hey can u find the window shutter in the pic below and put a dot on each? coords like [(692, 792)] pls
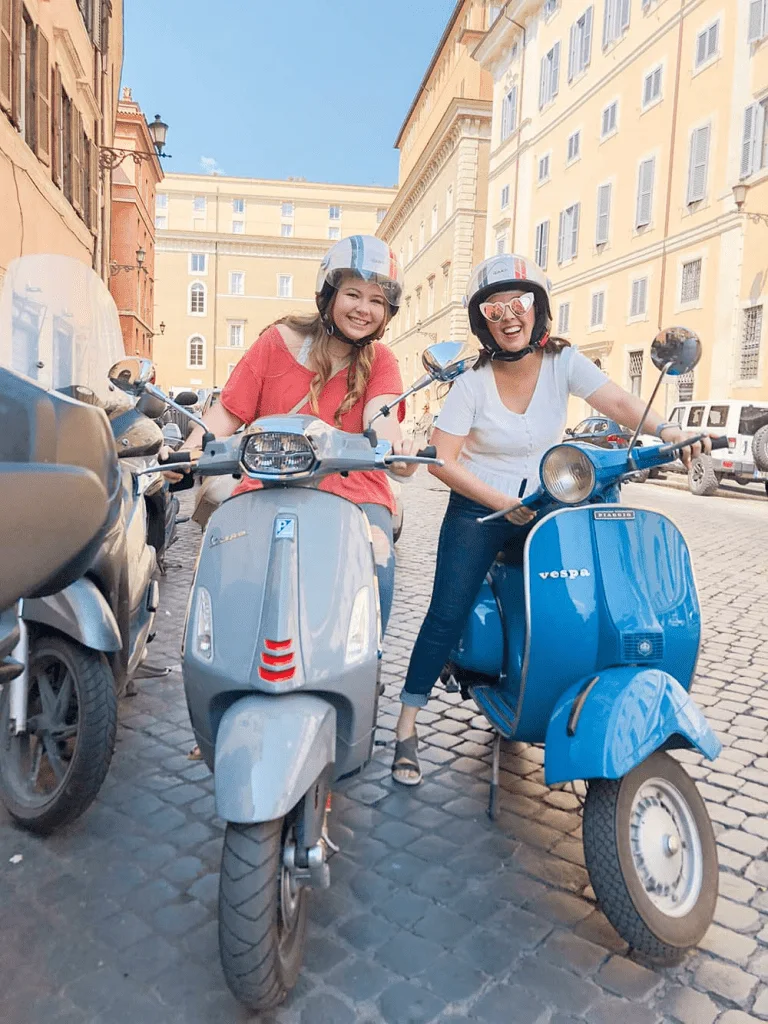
[(16, 83), (6, 56), (575, 229), (543, 82), (697, 171), (561, 237), (624, 14), (77, 170), (608, 17), (93, 198), (701, 48), (586, 39), (603, 213), (544, 245), (555, 71), (43, 100), (645, 193), (56, 125), (756, 20), (749, 140), (572, 51)]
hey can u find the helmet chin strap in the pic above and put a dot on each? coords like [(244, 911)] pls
[(333, 331), (500, 355)]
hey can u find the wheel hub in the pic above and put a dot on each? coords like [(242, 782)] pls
[(665, 846)]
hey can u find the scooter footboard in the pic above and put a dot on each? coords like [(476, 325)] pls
[(606, 724), (269, 751)]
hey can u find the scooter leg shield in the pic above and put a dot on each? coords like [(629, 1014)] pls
[(608, 723), (269, 752), (80, 612)]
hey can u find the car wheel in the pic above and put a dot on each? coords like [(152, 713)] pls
[(702, 479), (760, 448)]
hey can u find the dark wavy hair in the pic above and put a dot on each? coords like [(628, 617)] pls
[(553, 345)]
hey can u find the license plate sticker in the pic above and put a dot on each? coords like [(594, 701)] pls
[(285, 529)]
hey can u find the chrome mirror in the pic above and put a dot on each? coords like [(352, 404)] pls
[(676, 350), (132, 375), (447, 360)]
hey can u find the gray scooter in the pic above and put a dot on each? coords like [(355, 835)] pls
[(281, 660)]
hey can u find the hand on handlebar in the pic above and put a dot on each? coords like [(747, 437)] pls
[(404, 468), (173, 476), (674, 435), (520, 515)]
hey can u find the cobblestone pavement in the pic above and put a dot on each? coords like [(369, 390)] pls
[(434, 914)]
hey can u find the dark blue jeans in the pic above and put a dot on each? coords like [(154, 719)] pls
[(465, 552)]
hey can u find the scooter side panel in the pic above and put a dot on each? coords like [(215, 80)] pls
[(269, 752), (625, 716), (80, 612)]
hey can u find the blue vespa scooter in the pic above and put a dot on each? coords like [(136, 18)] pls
[(607, 692)]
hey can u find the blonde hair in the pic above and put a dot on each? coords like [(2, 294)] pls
[(358, 371)]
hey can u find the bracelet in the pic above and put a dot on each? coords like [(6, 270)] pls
[(663, 426)]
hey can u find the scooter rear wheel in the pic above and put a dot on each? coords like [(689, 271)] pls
[(262, 915), (652, 858)]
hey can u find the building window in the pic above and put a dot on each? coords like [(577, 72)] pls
[(161, 201), (691, 281), (550, 6), (381, 213), (636, 372), (707, 44), (28, 78), (286, 230), (580, 44), (501, 243), (505, 197), (238, 227), (541, 248), (410, 248), (285, 286), (509, 113), (449, 202), (645, 192), (430, 295), (749, 351), (421, 236), (236, 332), (685, 387), (446, 283), (197, 299), (639, 302), (609, 120), (568, 233), (238, 207), (754, 140), (196, 352), (564, 318), (161, 221), (697, 166), (417, 306), (434, 219), (286, 210), (544, 168), (408, 312), (603, 214), (549, 77), (574, 147), (597, 315), (199, 204), (198, 263), (615, 20), (758, 20), (237, 283), (334, 233), (334, 213), (652, 87)]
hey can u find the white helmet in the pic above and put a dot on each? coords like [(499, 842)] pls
[(368, 257), (508, 272)]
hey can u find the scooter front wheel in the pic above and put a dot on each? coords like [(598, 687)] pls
[(652, 858), (262, 914)]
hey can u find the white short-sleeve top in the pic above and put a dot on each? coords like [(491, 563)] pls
[(503, 448)]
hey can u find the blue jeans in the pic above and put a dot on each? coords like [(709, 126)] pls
[(380, 516), (465, 552)]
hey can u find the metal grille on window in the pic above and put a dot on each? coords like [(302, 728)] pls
[(691, 281), (749, 356), (635, 372), (685, 387)]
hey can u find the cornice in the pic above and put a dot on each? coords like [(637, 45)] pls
[(191, 241)]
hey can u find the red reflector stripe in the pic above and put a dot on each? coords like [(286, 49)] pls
[(727, 465), (277, 645), (270, 676), (275, 659)]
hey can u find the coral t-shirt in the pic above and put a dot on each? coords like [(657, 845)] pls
[(269, 381)]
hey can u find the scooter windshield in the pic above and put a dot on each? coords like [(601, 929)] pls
[(59, 325)]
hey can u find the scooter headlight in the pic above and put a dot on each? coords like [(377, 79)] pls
[(568, 474), (203, 641), (359, 626), (277, 454)]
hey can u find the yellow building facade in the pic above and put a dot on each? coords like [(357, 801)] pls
[(619, 132), (436, 225), (235, 254), (60, 66)]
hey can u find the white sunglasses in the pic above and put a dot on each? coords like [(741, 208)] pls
[(519, 306)]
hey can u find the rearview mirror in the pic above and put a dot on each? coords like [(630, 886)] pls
[(132, 375), (186, 398), (676, 350), (447, 360)]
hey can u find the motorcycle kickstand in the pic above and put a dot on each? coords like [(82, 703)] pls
[(493, 796)]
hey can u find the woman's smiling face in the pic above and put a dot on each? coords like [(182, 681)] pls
[(359, 308), (512, 332)]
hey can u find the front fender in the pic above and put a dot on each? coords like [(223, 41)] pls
[(81, 612), (625, 716), (269, 751)]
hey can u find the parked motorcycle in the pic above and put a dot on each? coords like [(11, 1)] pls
[(82, 641), (281, 659), (607, 691)]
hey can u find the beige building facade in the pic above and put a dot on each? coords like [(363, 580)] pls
[(619, 132), (232, 255), (60, 65), (436, 225)]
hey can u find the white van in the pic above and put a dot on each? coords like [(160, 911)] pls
[(746, 426)]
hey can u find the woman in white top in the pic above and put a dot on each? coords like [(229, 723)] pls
[(495, 425)]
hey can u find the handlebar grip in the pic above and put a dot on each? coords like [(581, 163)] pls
[(430, 452), (176, 457), (719, 442)]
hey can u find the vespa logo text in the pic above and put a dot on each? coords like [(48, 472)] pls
[(216, 540), (565, 574)]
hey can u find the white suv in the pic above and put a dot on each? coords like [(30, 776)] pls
[(746, 458)]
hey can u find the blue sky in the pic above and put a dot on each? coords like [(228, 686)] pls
[(317, 88)]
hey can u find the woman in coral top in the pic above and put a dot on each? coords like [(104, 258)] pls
[(334, 366)]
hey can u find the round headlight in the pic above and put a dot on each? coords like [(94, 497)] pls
[(277, 454), (568, 474)]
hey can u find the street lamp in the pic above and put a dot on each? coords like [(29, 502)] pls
[(740, 197), (115, 267), (110, 157), (162, 327), (140, 255)]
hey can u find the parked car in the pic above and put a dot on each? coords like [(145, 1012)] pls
[(746, 458), (607, 433)]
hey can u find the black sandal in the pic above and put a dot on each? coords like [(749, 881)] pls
[(406, 759)]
